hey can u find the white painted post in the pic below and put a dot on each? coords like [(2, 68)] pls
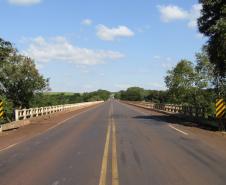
[(41, 110), (31, 112), (24, 114), (16, 115)]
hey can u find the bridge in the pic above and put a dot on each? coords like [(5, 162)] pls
[(110, 143)]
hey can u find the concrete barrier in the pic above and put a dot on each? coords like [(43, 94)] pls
[(14, 125), (40, 111), (175, 111), (26, 115)]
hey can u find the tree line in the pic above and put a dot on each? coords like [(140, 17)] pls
[(51, 99), (22, 86), (197, 83)]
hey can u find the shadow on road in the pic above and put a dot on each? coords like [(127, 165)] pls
[(189, 122)]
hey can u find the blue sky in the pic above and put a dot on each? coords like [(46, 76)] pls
[(84, 45)]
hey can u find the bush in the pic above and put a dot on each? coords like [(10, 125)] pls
[(8, 111)]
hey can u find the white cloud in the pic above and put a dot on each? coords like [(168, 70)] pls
[(192, 24), (60, 49), (24, 2), (199, 36), (110, 34), (194, 15), (87, 22), (165, 62), (170, 13)]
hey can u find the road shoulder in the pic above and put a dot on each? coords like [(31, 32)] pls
[(38, 125)]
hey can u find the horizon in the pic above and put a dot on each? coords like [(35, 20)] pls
[(82, 51)]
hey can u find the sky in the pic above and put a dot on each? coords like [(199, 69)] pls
[(85, 45)]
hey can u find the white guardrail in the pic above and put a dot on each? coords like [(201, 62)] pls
[(35, 112)]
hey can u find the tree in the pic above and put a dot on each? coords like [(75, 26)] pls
[(191, 84), (205, 68), (133, 94), (212, 24), (19, 78), (96, 95), (103, 94), (181, 81), (6, 49), (156, 96)]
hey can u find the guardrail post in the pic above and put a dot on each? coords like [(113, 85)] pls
[(16, 115), (24, 114), (31, 113), (35, 112), (41, 110)]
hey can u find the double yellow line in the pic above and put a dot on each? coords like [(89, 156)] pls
[(103, 173)]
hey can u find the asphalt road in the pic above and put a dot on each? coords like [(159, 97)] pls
[(113, 144)]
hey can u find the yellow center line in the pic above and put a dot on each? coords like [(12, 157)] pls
[(104, 167), (103, 172), (115, 176)]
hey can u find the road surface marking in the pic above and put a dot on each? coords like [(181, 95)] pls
[(133, 108), (111, 134), (60, 123), (38, 134), (115, 175), (171, 126), (10, 146), (103, 172)]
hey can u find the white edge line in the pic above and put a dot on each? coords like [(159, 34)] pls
[(133, 109), (171, 126), (10, 146), (38, 134)]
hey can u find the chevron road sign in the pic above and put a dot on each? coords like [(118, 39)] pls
[(220, 108), (1, 109)]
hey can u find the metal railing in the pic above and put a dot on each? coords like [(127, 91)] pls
[(40, 111)]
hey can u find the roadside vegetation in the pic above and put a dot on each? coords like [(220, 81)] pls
[(194, 83), (201, 82), (22, 86), (60, 98)]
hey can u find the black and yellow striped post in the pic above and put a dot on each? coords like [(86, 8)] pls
[(1, 109), (220, 108)]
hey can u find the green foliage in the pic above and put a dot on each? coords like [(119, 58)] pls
[(205, 69), (96, 95), (49, 99), (181, 81), (192, 85), (157, 96), (8, 110), (212, 24), (6, 49), (53, 98), (19, 78), (132, 94), (140, 94)]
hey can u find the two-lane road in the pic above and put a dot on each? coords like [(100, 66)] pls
[(113, 144)]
